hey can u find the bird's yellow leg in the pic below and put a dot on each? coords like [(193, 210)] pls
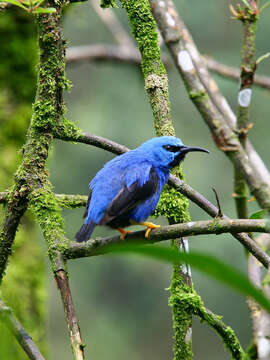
[(149, 225), (123, 233)]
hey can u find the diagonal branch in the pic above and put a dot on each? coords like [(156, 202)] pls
[(20, 333), (225, 138), (112, 23)]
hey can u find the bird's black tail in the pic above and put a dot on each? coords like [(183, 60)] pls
[(85, 232)]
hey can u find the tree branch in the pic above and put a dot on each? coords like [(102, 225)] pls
[(112, 23), (225, 332), (103, 52), (23, 338), (216, 226), (61, 279)]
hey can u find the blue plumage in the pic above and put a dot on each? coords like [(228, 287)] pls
[(127, 188)]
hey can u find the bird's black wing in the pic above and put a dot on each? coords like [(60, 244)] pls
[(129, 197)]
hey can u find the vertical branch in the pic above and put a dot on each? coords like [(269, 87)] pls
[(248, 66), (144, 31), (248, 17), (156, 84), (31, 181)]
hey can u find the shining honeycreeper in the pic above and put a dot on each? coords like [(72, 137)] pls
[(127, 189)]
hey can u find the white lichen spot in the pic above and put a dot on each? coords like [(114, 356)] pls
[(162, 4), (190, 224), (244, 97), (170, 20), (184, 61), (263, 348)]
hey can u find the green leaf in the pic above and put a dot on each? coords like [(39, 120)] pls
[(258, 214), (44, 10), (203, 262), (17, 3)]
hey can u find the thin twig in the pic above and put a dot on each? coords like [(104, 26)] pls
[(23, 338), (220, 214), (234, 73), (112, 23)]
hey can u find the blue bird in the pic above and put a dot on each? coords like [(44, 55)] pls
[(127, 189)]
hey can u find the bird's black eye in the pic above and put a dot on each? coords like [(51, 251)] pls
[(172, 148)]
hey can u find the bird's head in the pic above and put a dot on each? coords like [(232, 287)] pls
[(167, 151)]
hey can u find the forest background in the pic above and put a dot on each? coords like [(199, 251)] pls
[(121, 302)]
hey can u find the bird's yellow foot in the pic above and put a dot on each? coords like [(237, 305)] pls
[(149, 225), (123, 233)]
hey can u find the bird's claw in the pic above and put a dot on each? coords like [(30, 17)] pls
[(150, 226), (123, 233)]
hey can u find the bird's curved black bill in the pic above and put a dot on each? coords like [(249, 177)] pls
[(184, 150), (187, 149)]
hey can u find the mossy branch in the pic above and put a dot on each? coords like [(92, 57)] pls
[(193, 304), (216, 226), (48, 109), (32, 186), (144, 30)]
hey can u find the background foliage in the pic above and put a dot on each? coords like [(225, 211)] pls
[(121, 302)]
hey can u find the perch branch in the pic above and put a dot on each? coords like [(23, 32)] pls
[(23, 338), (216, 226)]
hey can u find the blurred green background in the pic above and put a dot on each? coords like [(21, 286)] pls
[(121, 302)]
